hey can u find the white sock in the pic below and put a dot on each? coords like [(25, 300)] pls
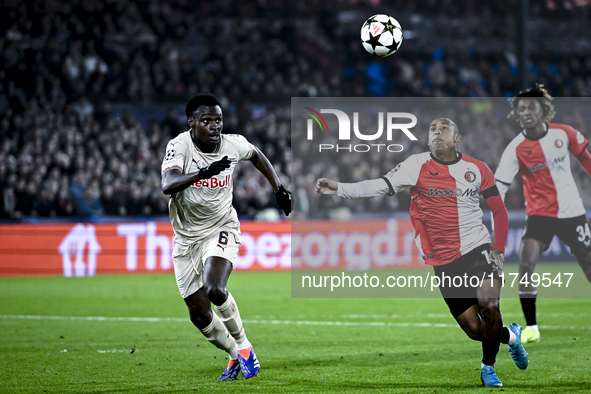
[(512, 337), (482, 365), (243, 345), (230, 316), (218, 335), (534, 327), (233, 354)]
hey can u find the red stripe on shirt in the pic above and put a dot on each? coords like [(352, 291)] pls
[(538, 186)]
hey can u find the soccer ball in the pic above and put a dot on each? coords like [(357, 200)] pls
[(381, 35)]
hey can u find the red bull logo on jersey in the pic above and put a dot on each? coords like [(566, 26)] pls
[(213, 183), (435, 192)]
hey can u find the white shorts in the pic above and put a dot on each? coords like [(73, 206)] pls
[(190, 261)]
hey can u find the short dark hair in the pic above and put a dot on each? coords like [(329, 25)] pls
[(538, 92), (198, 101), (453, 124)]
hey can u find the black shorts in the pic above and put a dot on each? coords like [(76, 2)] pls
[(572, 231), (459, 280)]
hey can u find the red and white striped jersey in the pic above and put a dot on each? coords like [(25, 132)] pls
[(544, 166), (445, 202)]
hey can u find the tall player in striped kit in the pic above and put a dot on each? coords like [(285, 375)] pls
[(197, 173), (445, 188), (540, 153)]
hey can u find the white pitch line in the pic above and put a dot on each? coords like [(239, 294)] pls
[(268, 322), (97, 318), (446, 315)]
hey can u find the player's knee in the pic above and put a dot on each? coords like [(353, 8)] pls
[(528, 258), (489, 308), (216, 294)]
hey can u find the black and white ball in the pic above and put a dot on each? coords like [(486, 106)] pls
[(381, 35)]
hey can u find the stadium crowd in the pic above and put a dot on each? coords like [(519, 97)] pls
[(484, 127), (64, 152)]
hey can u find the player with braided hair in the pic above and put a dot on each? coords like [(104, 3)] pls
[(544, 99), (540, 153)]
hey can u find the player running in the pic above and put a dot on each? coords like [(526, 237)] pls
[(445, 212), (197, 173), (553, 204)]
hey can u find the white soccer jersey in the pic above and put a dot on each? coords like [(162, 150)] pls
[(206, 206), (544, 166), (445, 202)]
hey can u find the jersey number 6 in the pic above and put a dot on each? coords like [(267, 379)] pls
[(223, 240)]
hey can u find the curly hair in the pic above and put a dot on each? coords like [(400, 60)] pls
[(539, 93), (199, 100)]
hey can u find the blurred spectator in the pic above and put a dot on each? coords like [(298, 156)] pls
[(86, 197), (110, 202), (170, 125), (64, 205)]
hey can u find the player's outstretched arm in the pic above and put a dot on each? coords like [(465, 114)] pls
[(363, 189), (326, 186), (174, 181), (282, 195)]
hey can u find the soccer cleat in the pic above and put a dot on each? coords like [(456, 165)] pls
[(232, 370), (517, 351), (249, 365), (528, 335), (489, 378)]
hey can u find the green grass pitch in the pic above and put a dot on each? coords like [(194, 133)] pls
[(76, 336)]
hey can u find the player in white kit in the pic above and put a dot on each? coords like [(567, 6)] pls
[(197, 174), (540, 154)]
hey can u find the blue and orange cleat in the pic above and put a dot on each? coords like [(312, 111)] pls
[(517, 351), (249, 365), (232, 371), (489, 378)]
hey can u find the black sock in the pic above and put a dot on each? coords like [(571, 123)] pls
[(528, 304), (489, 352), (504, 338)]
